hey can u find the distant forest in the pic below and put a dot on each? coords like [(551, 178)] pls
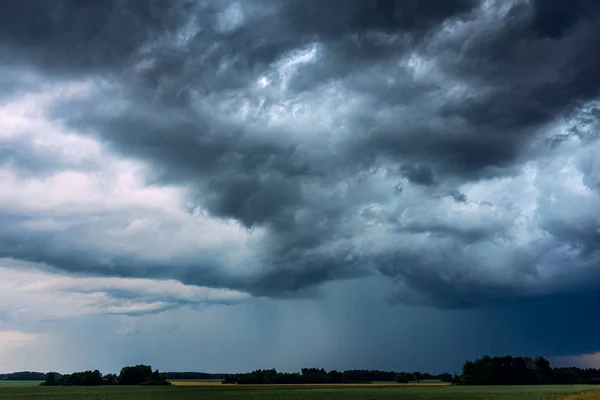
[(319, 375), (486, 370), (509, 370), (192, 376), (131, 375), (40, 376), (23, 376)]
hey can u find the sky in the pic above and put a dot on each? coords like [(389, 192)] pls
[(220, 186)]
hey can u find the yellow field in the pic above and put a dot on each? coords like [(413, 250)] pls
[(588, 395)]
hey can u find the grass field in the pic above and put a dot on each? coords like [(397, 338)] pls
[(326, 392), (4, 384)]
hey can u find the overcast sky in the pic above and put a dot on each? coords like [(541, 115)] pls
[(222, 185)]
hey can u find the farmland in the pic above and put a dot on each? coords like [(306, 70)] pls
[(207, 391), (5, 384)]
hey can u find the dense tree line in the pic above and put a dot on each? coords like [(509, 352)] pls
[(509, 370), (319, 375), (133, 375), (23, 376), (192, 375), (584, 375), (486, 370)]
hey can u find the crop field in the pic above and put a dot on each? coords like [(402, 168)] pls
[(4, 384), (204, 391)]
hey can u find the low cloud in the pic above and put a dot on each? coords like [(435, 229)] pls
[(29, 293)]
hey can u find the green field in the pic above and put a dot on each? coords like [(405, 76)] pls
[(4, 384), (375, 392)]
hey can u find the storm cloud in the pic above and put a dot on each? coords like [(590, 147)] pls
[(449, 147)]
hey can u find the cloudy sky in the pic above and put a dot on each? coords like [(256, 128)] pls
[(226, 185)]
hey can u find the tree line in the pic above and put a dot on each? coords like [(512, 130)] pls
[(192, 375), (486, 370), (23, 376), (510, 370), (319, 375), (130, 375), (41, 376)]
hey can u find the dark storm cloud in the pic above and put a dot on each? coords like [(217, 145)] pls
[(420, 174), (555, 18), (106, 36), (520, 76), (333, 20), (458, 196), (79, 35), (451, 93), (37, 247)]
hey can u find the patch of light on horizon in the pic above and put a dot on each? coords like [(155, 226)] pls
[(579, 360)]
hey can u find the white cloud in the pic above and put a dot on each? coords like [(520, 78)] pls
[(27, 293), (98, 201)]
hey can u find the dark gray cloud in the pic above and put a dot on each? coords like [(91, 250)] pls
[(554, 19), (83, 36), (458, 196), (301, 117), (420, 174)]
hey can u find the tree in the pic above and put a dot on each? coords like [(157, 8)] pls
[(110, 379), (456, 379), (567, 376), (336, 377), (510, 370), (24, 376), (50, 379), (93, 378), (543, 369), (135, 375), (418, 376), (445, 377), (470, 375), (85, 378), (403, 377)]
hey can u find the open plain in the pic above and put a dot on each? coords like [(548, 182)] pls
[(378, 391)]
